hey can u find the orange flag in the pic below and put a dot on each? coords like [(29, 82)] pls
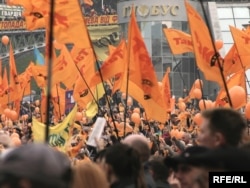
[(88, 2), (203, 47), (179, 41), (242, 44), (68, 19), (143, 84), (82, 96), (115, 64), (238, 79), (39, 73), (64, 69), (166, 90), (232, 62), (14, 86), (58, 101)]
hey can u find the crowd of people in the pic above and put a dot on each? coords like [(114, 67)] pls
[(179, 153)]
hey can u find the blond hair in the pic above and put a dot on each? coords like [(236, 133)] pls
[(90, 175)]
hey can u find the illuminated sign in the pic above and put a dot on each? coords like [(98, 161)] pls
[(154, 10)]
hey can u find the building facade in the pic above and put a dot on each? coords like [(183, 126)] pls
[(153, 16)]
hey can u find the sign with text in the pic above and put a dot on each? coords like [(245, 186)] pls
[(12, 25), (101, 20), (69, 100)]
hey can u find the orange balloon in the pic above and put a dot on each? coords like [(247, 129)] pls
[(197, 119), (197, 93), (37, 109), (247, 110), (14, 135), (198, 84), (180, 99), (201, 104), (13, 115), (129, 101), (160, 85), (136, 110), (182, 106), (16, 141), (218, 44), (7, 112), (5, 40), (135, 117), (174, 132), (124, 95), (78, 116), (238, 96), (3, 117), (37, 102), (209, 104)]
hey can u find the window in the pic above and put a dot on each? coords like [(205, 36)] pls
[(225, 13), (241, 12)]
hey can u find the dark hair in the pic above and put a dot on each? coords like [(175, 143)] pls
[(230, 123), (160, 170), (125, 162)]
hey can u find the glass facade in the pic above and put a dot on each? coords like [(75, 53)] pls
[(183, 66), (237, 16)]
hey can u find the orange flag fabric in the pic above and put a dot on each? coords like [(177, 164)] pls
[(232, 62), (179, 41), (115, 64), (203, 47), (238, 79), (242, 44), (166, 90), (64, 69), (68, 19), (143, 84)]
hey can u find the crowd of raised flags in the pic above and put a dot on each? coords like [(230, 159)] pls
[(128, 69)]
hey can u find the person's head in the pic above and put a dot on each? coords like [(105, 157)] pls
[(221, 127), (89, 174), (35, 166), (140, 144), (160, 172), (122, 162)]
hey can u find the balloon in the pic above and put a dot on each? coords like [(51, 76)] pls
[(180, 99), (5, 40), (201, 104), (16, 141), (136, 110), (197, 119), (135, 117), (78, 116), (160, 85), (7, 112), (238, 96), (247, 110), (123, 95), (182, 106), (37, 102), (14, 135), (3, 117), (180, 134), (218, 44), (197, 93), (13, 115), (198, 84), (129, 101), (37, 109), (174, 132)]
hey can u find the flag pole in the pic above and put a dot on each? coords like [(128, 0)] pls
[(202, 93), (58, 102), (99, 70), (50, 61), (216, 56)]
